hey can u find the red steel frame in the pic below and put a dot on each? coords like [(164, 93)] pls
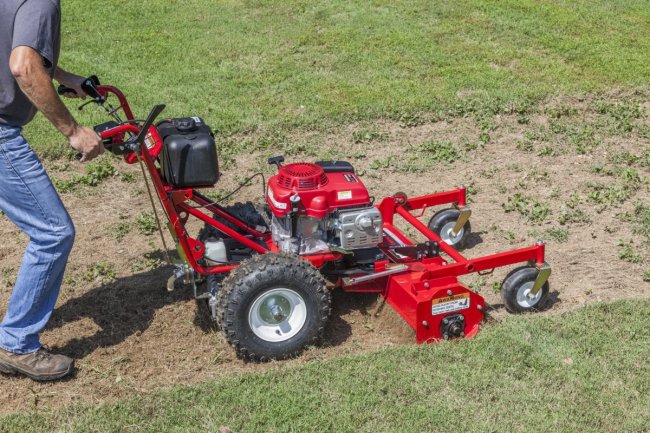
[(410, 292)]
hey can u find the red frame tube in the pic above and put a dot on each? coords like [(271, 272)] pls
[(457, 196)]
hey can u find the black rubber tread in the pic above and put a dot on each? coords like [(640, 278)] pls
[(513, 281), (256, 275), (445, 216), (246, 212)]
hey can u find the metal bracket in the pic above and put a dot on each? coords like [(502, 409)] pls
[(542, 277), (186, 273), (390, 271), (414, 252), (465, 213)]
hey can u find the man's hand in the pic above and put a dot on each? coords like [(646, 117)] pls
[(27, 67), (72, 81), (87, 142)]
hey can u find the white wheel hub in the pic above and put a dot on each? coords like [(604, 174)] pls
[(447, 233), (277, 315), (524, 298)]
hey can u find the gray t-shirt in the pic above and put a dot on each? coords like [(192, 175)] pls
[(32, 23)]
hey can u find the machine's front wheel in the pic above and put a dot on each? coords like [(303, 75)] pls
[(272, 307), (516, 287), (442, 224)]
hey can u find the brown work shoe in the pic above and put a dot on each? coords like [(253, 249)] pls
[(39, 365)]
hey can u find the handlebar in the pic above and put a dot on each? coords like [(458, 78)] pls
[(99, 94)]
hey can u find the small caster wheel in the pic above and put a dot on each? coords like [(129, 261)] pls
[(515, 291), (442, 224)]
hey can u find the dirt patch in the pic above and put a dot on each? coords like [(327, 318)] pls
[(130, 336)]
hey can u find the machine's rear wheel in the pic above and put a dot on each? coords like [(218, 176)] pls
[(442, 224), (516, 287), (272, 307)]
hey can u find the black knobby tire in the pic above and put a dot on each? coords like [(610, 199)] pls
[(258, 277), (246, 212), (515, 288), (446, 219)]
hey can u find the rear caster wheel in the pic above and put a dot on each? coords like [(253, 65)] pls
[(442, 224), (516, 287), (272, 307)]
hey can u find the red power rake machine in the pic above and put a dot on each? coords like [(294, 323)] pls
[(268, 269)]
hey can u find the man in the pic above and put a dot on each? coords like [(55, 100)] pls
[(29, 51)]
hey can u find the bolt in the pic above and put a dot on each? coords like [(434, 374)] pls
[(445, 336), (480, 307), (540, 242), (449, 293), (425, 324), (426, 285), (445, 321)]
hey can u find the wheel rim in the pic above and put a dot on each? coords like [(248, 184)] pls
[(523, 298), (447, 235), (277, 315)]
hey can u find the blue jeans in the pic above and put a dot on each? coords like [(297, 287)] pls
[(29, 199)]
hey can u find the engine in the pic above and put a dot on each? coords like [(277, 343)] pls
[(320, 207)]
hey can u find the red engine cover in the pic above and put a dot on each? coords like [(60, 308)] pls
[(319, 192)]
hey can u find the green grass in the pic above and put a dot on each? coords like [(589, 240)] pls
[(245, 65), (533, 209), (585, 371)]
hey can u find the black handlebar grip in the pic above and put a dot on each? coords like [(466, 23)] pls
[(89, 86), (63, 89)]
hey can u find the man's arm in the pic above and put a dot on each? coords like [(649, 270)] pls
[(27, 67)]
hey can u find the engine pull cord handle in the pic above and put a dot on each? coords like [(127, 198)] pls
[(277, 160)]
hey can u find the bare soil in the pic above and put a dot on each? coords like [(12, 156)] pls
[(130, 336)]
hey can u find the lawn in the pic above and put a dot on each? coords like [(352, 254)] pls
[(582, 371), (249, 65)]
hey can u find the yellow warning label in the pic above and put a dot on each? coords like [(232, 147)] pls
[(450, 298), (449, 303)]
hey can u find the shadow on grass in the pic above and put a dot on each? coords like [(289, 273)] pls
[(128, 305), (121, 308)]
